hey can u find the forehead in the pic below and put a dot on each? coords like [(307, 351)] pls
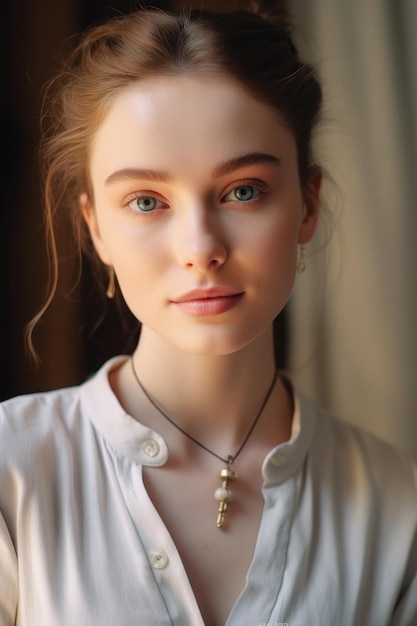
[(170, 122)]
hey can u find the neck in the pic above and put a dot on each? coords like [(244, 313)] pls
[(230, 457), (213, 398), (218, 409)]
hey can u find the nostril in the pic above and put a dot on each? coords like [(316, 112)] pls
[(202, 254), (201, 239)]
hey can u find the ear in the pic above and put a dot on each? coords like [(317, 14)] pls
[(311, 205), (90, 217)]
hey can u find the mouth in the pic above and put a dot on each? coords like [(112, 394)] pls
[(208, 302)]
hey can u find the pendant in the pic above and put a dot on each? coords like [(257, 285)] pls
[(223, 494)]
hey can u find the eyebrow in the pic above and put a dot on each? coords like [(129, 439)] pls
[(135, 173), (254, 158)]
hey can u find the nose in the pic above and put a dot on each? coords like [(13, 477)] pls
[(201, 241)]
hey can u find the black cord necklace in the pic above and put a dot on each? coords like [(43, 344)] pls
[(222, 494)]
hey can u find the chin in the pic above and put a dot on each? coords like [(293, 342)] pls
[(214, 344)]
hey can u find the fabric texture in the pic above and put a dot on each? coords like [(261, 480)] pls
[(81, 542)]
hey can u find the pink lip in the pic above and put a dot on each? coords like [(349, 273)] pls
[(206, 302)]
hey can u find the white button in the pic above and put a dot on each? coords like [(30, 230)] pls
[(151, 447), (159, 559)]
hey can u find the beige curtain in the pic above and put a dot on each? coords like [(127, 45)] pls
[(354, 311)]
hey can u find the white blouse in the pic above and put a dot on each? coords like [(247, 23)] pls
[(82, 544)]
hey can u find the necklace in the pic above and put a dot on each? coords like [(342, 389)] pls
[(223, 494)]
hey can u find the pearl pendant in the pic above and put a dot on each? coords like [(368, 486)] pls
[(223, 494)]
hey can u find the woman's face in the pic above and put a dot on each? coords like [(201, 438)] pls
[(199, 208)]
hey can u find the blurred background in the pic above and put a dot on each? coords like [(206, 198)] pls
[(348, 336)]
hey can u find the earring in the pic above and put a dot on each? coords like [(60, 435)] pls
[(111, 288), (301, 261)]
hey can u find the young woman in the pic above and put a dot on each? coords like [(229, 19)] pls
[(189, 483)]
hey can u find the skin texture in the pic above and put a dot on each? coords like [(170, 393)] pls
[(185, 222), (199, 235)]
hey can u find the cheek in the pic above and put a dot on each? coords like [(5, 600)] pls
[(272, 263), (127, 242), (275, 242), (138, 264)]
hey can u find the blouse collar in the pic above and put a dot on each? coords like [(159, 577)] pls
[(143, 445)]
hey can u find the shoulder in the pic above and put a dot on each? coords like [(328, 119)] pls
[(52, 421), (36, 411), (367, 493), (362, 464), (347, 443), (33, 425), (39, 434), (43, 411)]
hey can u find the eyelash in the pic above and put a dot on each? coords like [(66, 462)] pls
[(259, 187)]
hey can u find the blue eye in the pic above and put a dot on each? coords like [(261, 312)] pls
[(244, 193), (144, 204)]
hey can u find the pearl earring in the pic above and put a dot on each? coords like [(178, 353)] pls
[(301, 261)]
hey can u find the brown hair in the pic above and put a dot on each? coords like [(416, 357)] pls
[(254, 47)]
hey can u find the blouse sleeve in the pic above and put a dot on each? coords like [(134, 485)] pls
[(8, 577)]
